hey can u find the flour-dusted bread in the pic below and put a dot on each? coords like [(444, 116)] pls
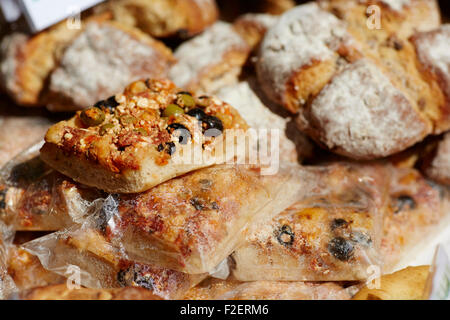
[(353, 114), (26, 62), (436, 160), (164, 18), (193, 222), (433, 55), (101, 61), (400, 17), (253, 26), (151, 133), (214, 289), (103, 266), (299, 54), (344, 80), (63, 292), (211, 60), (331, 235), (418, 208)]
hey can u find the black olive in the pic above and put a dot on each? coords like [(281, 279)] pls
[(3, 198), (124, 277), (338, 223), (184, 134), (109, 104), (361, 238), (214, 205), (198, 205), (170, 148), (213, 126), (197, 113), (341, 249), (160, 147), (285, 236), (403, 202), (143, 281)]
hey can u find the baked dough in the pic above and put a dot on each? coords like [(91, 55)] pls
[(103, 266), (223, 52), (193, 222), (164, 18), (214, 289), (63, 292), (345, 79), (436, 160), (253, 26), (330, 236), (26, 62), (101, 61), (133, 147)]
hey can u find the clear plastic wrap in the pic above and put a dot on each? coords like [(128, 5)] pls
[(332, 235), (193, 222), (418, 210), (7, 285), (35, 197), (215, 289), (83, 253)]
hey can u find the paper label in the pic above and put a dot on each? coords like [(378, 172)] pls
[(41, 14), (10, 9)]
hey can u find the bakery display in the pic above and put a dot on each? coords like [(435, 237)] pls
[(227, 150)]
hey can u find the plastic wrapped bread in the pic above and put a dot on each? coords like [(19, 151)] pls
[(333, 235), (35, 197), (85, 250), (215, 289), (193, 222)]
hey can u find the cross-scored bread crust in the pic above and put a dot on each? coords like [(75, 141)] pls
[(102, 60), (134, 146), (354, 115)]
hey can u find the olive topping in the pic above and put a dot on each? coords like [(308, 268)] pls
[(92, 117), (104, 128), (338, 223), (124, 277), (341, 249), (141, 131), (403, 203), (203, 101), (3, 199), (198, 205), (197, 113), (143, 281), (213, 126), (127, 119), (186, 100), (183, 133), (109, 104), (169, 147), (172, 110), (285, 236)]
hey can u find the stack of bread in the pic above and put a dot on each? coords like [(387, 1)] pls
[(115, 203)]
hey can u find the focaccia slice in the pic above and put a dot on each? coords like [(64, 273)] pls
[(151, 133), (101, 265), (192, 223), (333, 236)]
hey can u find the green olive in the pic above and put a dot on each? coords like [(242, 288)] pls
[(92, 117), (104, 128), (141, 131), (172, 110), (186, 100), (127, 119)]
